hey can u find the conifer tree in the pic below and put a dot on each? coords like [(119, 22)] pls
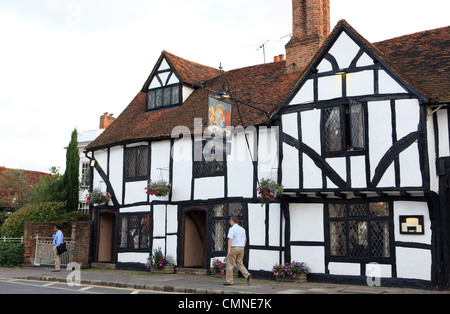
[(71, 183)]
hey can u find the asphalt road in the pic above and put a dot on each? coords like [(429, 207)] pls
[(15, 286)]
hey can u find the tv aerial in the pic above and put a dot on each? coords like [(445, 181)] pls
[(263, 47)]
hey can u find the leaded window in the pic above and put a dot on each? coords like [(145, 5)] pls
[(220, 217), (360, 231), (209, 158), (134, 232), (343, 128), (136, 163)]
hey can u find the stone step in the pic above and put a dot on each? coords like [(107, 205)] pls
[(104, 266), (192, 271)]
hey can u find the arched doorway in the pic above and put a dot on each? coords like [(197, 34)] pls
[(193, 246)]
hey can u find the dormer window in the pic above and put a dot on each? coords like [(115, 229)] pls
[(165, 89)]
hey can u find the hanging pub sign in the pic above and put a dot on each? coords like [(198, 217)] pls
[(219, 119), (219, 113)]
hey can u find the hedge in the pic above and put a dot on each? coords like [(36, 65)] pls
[(11, 254), (40, 212)]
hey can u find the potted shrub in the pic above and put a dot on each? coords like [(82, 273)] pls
[(160, 188), (158, 263), (97, 197), (268, 191), (295, 272), (218, 268)]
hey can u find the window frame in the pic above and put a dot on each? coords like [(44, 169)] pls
[(347, 148), (202, 173), (225, 219), (128, 247), (369, 219), (162, 89), (136, 177)]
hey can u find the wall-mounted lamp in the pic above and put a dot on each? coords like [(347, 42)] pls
[(411, 225), (93, 163)]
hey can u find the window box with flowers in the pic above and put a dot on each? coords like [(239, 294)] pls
[(158, 263), (97, 197), (268, 191), (160, 188), (291, 272)]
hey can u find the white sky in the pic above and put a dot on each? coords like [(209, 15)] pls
[(65, 62)]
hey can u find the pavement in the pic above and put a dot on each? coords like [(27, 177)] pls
[(195, 284)]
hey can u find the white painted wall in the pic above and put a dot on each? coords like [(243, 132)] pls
[(135, 192), (262, 259), (305, 94), (159, 220), (140, 258), (182, 169), (257, 224), (360, 83), (240, 166), (116, 171), (268, 153), (444, 147), (290, 167), (380, 138), (306, 222), (209, 188), (344, 50), (313, 256)]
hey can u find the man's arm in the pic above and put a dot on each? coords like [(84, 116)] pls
[(230, 241)]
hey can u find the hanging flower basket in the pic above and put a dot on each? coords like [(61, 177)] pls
[(159, 189), (268, 191), (97, 197)]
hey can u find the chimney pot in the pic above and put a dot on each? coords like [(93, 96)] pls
[(106, 120), (276, 59)]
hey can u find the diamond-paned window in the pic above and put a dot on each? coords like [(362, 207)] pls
[(134, 232), (136, 163), (359, 231), (344, 128), (220, 216)]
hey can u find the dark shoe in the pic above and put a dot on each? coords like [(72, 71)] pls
[(249, 279), (55, 271), (227, 284)]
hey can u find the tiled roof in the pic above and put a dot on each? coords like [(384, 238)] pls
[(424, 59), (191, 73), (421, 59), (32, 178), (268, 84)]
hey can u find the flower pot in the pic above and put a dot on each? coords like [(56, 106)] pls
[(300, 278), (166, 269)]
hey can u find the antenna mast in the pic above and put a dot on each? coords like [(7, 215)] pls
[(263, 47)]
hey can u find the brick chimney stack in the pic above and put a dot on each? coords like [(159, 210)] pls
[(106, 120), (311, 26)]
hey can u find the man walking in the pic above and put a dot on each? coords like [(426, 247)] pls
[(236, 243), (58, 239)]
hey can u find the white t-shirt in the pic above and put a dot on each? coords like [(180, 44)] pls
[(237, 233)]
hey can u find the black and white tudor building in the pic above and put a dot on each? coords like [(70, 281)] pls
[(357, 133)]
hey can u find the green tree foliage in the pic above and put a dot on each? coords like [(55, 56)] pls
[(50, 189), (71, 183), (39, 212)]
